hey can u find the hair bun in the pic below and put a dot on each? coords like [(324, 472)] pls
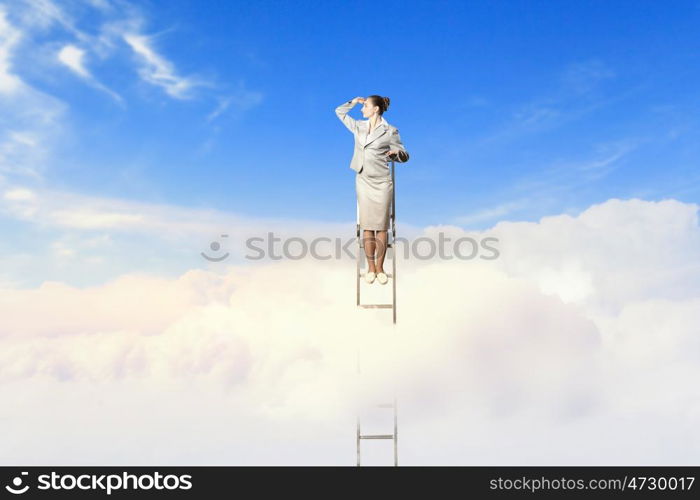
[(386, 103)]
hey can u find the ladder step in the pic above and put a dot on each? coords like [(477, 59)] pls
[(377, 306), (377, 436), (362, 274)]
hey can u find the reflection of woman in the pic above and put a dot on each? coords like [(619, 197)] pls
[(375, 143)]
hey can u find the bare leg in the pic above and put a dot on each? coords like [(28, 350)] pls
[(369, 244), (381, 250)]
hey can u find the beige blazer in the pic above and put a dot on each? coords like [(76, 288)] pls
[(370, 152)]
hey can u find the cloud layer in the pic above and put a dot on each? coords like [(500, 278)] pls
[(578, 345)]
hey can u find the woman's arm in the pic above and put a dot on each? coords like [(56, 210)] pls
[(342, 113), (396, 146)]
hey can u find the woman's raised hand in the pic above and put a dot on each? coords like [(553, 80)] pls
[(358, 99)]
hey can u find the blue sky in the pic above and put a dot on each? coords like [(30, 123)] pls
[(561, 104), (510, 110)]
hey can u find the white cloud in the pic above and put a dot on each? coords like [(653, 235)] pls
[(19, 194), (117, 26), (72, 56), (36, 120), (544, 186), (157, 70), (491, 213), (576, 96), (9, 37), (44, 14), (579, 337), (67, 210), (220, 108), (32, 114), (568, 175), (243, 99), (101, 4), (584, 76), (145, 236)]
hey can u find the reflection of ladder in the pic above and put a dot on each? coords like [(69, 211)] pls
[(391, 244)]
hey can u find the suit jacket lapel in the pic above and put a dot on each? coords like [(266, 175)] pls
[(376, 133)]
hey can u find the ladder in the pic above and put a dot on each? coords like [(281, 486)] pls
[(391, 244)]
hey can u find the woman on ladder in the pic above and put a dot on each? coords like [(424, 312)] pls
[(376, 142)]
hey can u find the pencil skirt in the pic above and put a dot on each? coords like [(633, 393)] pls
[(374, 198)]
